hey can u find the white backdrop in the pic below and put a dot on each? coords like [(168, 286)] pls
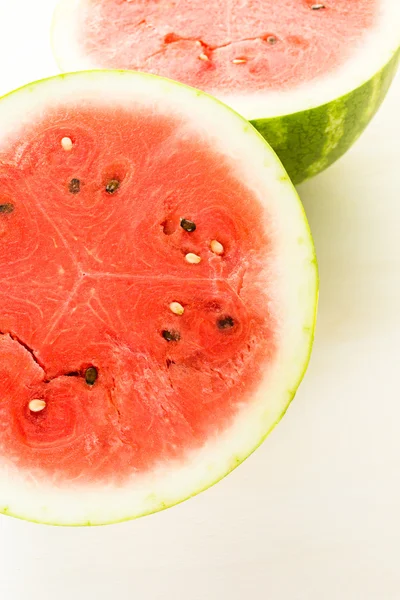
[(314, 514)]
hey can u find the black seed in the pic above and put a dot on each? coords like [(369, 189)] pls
[(91, 375), (7, 208), (271, 39), (225, 323), (74, 186), (188, 225), (112, 186), (317, 6), (171, 336)]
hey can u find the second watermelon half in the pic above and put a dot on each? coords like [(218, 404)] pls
[(309, 75)]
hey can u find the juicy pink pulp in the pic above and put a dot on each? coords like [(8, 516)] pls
[(87, 278), (224, 46)]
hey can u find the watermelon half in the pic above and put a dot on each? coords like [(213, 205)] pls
[(309, 75), (158, 295)]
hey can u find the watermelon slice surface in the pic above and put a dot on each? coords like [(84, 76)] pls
[(158, 295), (309, 75)]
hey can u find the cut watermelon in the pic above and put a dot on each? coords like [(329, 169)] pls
[(309, 75), (158, 295)]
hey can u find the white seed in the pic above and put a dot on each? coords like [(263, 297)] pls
[(37, 405), (177, 308), (193, 258), (66, 143), (317, 6), (203, 56), (239, 61), (216, 247)]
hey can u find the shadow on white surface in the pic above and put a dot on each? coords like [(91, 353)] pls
[(354, 213)]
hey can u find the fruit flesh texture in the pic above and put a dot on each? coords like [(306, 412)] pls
[(87, 280), (225, 46)]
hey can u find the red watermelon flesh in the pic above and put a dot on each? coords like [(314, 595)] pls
[(224, 46), (88, 277), (158, 292)]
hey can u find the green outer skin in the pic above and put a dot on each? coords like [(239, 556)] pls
[(308, 142), (309, 328)]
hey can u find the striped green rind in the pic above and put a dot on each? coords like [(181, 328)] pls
[(307, 142)]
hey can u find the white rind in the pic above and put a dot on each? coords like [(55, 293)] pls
[(376, 49), (293, 270)]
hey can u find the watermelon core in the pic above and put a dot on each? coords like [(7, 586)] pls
[(157, 298), (308, 74)]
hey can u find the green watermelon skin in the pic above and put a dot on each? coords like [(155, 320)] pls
[(309, 141)]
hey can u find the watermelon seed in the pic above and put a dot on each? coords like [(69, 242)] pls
[(176, 308), (216, 247), (239, 61), (193, 259), (171, 336), (203, 56), (112, 186), (36, 405), (6, 208), (188, 225), (91, 375), (66, 143), (74, 186), (271, 39), (225, 323), (317, 6)]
